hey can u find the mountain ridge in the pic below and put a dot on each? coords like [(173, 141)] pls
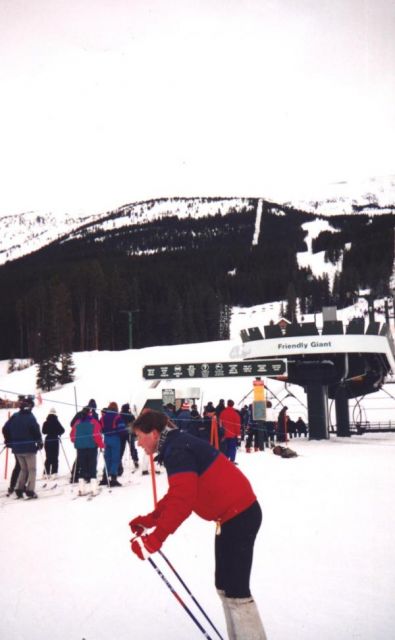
[(31, 231)]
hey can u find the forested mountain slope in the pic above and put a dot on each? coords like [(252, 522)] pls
[(180, 271)]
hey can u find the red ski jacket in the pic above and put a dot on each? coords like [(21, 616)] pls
[(202, 480), (231, 422)]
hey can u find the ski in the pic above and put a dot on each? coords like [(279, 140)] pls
[(91, 496), (49, 488), (41, 496)]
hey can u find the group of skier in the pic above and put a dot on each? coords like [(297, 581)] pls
[(222, 426), (109, 433), (89, 433), (227, 427)]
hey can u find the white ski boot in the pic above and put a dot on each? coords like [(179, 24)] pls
[(94, 486), (245, 621), (81, 487)]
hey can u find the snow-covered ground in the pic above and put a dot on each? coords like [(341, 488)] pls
[(324, 558), (316, 261)]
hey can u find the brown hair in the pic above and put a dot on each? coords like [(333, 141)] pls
[(113, 406), (150, 420)]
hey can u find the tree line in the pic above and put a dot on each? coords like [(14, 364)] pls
[(179, 277)]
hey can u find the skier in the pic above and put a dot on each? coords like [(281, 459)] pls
[(127, 436), (86, 436), (282, 429), (22, 434), (75, 471), (53, 430), (231, 422), (204, 481), (112, 430)]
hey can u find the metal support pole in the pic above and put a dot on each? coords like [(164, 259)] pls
[(342, 413), (317, 403)]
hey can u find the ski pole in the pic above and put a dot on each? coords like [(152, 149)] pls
[(45, 472), (64, 453), (106, 470), (178, 598), (74, 470), (189, 592)]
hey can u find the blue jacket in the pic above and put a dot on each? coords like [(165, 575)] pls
[(86, 433), (183, 419), (22, 433)]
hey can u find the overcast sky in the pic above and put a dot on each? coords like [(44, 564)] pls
[(105, 102)]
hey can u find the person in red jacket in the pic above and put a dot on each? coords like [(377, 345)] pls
[(230, 420), (202, 480)]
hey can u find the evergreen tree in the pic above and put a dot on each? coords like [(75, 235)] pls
[(65, 372), (47, 374)]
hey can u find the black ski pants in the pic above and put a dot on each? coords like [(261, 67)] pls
[(51, 456), (234, 548), (87, 463), (252, 438), (15, 473)]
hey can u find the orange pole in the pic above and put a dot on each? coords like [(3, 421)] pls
[(153, 478), (214, 432), (6, 464), (6, 456)]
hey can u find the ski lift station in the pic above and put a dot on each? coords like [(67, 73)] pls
[(334, 361), (338, 362)]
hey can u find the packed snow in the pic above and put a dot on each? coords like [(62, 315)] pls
[(324, 558)]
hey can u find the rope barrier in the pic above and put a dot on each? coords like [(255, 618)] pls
[(126, 430)]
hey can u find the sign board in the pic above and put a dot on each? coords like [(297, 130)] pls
[(259, 410), (188, 392), (267, 368), (168, 396), (259, 401)]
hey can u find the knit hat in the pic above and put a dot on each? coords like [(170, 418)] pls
[(52, 411), (26, 403), (185, 406)]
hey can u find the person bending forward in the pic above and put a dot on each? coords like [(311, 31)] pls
[(202, 480)]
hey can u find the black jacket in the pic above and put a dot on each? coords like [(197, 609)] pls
[(52, 428), (22, 433)]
